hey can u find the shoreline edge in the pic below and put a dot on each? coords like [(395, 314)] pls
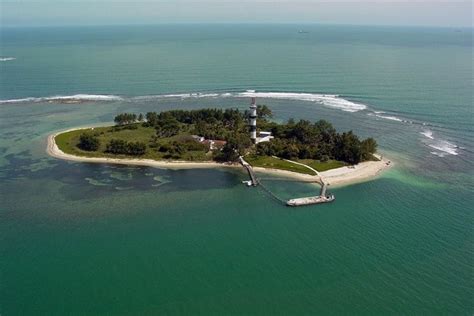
[(347, 175)]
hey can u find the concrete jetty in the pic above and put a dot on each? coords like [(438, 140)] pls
[(321, 198), (310, 200)]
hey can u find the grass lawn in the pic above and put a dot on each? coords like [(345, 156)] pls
[(323, 166), (67, 142), (274, 163)]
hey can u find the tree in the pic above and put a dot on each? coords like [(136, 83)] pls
[(167, 127), (368, 148), (88, 142), (264, 112), (301, 139), (122, 147), (151, 118), (234, 147), (136, 148), (347, 148), (117, 146), (125, 119), (291, 151), (240, 142), (227, 154), (140, 117), (266, 149)]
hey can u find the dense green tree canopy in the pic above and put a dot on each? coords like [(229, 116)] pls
[(125, 118), (122, 147), (301, 139), (88, 142)]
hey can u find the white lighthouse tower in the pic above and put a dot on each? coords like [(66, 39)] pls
[(253, 121)]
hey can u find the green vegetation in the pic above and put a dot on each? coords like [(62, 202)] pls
[(168, 135), (88, 142), (316, 141), (158, 149), (322, 165), (126, 118), (121, 147), (275, 163)]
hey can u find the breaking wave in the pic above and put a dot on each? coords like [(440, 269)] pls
[(7, 58), (427, 134), (179, 95), (328, 100), (382, 115), (60, 98), (445, 147), (442, 146)]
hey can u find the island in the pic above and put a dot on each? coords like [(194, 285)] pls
[(207, 138)]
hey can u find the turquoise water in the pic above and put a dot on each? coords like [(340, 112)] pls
[(96, 239)]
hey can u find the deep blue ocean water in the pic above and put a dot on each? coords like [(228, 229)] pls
[(95, 239)]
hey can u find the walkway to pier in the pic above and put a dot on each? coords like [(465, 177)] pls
[(321, 198), (253, 177)]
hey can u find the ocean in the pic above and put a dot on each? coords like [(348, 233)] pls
[(91, 239)]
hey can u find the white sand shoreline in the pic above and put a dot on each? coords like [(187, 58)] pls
[(362, 172)]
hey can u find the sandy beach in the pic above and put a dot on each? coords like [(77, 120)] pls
[(362, 172)]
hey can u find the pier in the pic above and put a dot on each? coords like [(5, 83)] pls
[(310, 200), (321, 198), (318, 199)]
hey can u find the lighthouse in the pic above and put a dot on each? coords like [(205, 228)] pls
[(253, 121)]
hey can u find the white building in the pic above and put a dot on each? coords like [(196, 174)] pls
[(264, 137)]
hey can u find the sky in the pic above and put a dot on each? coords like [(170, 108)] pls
[(452, 13)]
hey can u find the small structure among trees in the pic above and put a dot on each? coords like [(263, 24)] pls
[(223, 136)]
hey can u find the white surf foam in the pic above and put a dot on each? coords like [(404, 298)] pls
[(428, 134), (445, 147), (62, 98), (329, 100), (436, 153), (86, 97), (7, 58), (387, 117), (179, 95)]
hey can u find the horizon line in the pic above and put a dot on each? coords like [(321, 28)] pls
[(239, 23)]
